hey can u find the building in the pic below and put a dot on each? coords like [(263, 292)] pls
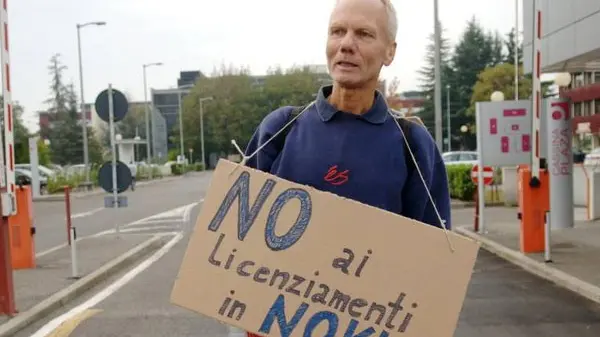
[(408, 103), (570, 44), (189, 78)]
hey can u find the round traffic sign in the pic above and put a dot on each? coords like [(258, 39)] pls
[(105, 177), (120, 105), (488, 175)]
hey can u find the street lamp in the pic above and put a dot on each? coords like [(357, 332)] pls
[(562, 79), (203, 99), (86, 158), (497, 96), (464, 129), (147, 113)]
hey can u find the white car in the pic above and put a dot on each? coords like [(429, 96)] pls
[(460, 158)]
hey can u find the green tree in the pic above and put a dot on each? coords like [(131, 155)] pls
[(239, 103), (474, 52), (20, 132), (498, 78), (511, 44), (66, 141)]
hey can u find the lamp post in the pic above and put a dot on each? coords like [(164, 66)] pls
[(86, 158), (438, 77), (203, 99), (448, 116)]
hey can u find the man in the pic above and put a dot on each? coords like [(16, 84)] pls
[(346, 142)]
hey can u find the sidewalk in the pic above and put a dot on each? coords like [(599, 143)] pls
[(47, 287), (575, 252)]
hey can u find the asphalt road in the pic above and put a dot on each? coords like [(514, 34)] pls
[(90, 217), (502, 300)]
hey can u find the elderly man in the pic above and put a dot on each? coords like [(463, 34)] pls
[(347, 142)]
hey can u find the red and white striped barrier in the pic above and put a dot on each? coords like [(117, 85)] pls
[(7, 166), (537, 89)]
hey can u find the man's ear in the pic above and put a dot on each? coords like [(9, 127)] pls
[(390, 54)]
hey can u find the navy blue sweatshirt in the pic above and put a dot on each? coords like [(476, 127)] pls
[(361, 157)]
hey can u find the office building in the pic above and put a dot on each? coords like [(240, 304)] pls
[(570, 44)]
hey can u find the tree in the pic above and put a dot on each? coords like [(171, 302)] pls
[(20, 132), (427, 78), (474, 52), (510, 47), (239, 103), (498, 78), (65, 135)]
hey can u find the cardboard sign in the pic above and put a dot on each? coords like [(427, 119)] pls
[(282, 259)]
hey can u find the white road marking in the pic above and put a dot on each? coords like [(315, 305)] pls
[(84, 214), (136, 222), (106, 292)]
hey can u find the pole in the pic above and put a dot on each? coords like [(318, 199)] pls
[(516, 50), (147, 108), (438, 79), (180, 126), (67, 190), (547, 238), (202, 136), (536, 95), (449, 132), (111, 116), (83, 113)]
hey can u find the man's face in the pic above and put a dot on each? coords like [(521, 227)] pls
[(358, 43)]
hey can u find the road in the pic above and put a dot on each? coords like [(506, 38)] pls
[(502, 299), (90, 217)]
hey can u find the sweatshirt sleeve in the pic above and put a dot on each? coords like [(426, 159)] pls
[(269, 126), (416, 202)]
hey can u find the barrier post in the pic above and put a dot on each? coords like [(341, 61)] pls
[(68, 212), (7, 294)]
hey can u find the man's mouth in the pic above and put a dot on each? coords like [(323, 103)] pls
[(347, 64)]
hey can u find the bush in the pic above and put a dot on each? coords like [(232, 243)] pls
[(460, 183), (143, 173)]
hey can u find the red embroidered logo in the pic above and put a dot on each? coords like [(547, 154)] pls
[(334, 177)]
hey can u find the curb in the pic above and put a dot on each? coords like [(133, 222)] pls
[(64, 296), (78, 195), (470, 204), (560, 278)]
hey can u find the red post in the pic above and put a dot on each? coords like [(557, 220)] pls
[(68, 212), (476, 224), (7, 291)]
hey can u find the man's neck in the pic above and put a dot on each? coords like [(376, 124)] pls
[(356, 101)]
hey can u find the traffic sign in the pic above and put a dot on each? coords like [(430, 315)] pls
[(488, 174), (120, 105), (105, 177)]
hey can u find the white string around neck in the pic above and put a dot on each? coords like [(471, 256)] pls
[(245, 159)]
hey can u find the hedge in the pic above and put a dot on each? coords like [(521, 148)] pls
[(57, 183), (460, 183)]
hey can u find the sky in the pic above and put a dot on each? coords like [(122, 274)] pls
[(201, 35)]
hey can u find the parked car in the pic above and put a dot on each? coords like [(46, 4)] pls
[(43, 170), (460, 158), (24, 177)]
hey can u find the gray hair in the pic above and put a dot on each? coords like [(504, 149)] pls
[(392, 23), (392, 19)]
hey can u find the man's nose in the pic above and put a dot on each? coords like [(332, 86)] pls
[(348, 43)]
